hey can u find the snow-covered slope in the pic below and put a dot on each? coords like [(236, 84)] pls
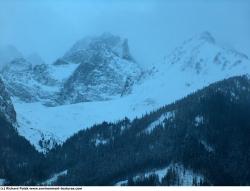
[(201, 55), (195, 64), (62, 72), (185, 176), (54, 178), (56, 124), (198, 62)]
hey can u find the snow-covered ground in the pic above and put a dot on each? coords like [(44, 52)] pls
[(185, 176), (199, 120), (61, 122), (54, 178), (166, 116), (63, 71), (2, 181)]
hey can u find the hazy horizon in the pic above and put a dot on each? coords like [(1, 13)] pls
[(153, 28)]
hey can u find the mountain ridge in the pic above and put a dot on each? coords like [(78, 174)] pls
[(144, 92)]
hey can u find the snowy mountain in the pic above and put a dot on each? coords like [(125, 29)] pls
[(27, 82), (94, 69), (102, 78), (105, 66), (134, 125), (84, 49), (153, 91), (205, 57), (196, 63)]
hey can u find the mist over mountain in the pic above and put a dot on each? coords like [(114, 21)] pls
[(56, 108), (8, 53), (35, 59), (100, 75), (161, 98), (153, 28)]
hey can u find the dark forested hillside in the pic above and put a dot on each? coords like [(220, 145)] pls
[(207, 131), (19, 161)]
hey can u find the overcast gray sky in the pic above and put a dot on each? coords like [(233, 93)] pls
[(153, 28)]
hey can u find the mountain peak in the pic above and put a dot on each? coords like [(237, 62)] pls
[(207, 36), (200, 39), (105, 66), (105, 44), (90, 42), (202, 55)]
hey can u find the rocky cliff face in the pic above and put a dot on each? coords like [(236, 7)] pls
[(94, 69), (6, 107), (104, 66), (27, 83)]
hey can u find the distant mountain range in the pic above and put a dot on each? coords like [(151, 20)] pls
[(94, 69), (56, 108)]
